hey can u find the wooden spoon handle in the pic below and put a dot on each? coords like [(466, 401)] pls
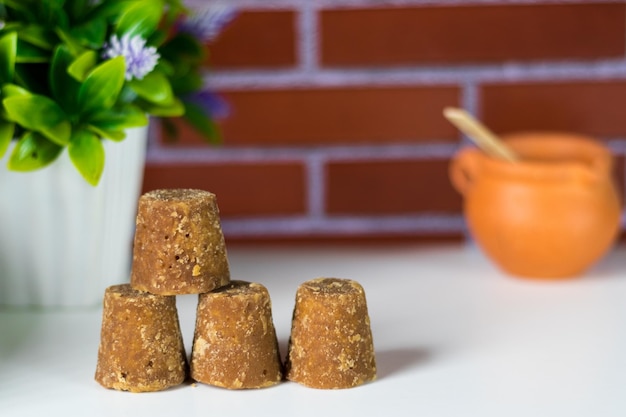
[(479, 133)]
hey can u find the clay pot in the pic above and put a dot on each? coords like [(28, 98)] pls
[(551, 215)]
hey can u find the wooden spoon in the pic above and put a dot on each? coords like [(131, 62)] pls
[(480, 134)]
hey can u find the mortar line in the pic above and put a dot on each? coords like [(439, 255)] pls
[(316, 185), (307, 38), (210, 155), (544, 71), (353, 225), (471, 102), (447, 3), (282, 4)]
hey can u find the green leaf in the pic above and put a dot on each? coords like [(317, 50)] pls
[(33, 151), (77, 8), (187, 84), (184, 47), (8, 52), (173, 11), (64, 87), (22, 7), (38, 36), (197, 117), (102, 86), (157, 38), (40, 114), (114, 135), (87, 155), (12, 90), (51, 13), (109, 9), (140, 18), (10, 26), (91, 33), (154, 88), (112, 123), (7, 130), (70, 42), (174, 109), (81, 66), (27, 53), (165, 67), (119, 117)]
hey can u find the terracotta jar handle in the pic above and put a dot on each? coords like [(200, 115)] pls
[(463, 169)]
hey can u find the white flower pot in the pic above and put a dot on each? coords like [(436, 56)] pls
[(62, 241)]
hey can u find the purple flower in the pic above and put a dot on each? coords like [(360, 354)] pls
[(140, 59), (207, 22), (213, 104)]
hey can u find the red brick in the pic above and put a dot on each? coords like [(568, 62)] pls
[(593, 108), (256, 39), (336, 116), (390, 187), (419, 35), (242, 189)]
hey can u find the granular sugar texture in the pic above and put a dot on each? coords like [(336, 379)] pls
[(331, 342), (141, 346), (235, 342), (179, 247)]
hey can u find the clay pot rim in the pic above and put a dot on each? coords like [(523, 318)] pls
[(587, 159)]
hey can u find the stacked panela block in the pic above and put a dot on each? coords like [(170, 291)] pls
[(179, 249)]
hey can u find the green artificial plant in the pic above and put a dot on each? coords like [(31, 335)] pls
[(76, 72)]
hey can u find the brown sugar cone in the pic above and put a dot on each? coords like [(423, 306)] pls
[(235, 343), (331, 343), (141, 346), (179, 246)]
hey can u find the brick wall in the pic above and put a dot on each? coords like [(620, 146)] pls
[(336, 129)]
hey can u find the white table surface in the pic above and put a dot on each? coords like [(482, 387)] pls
[(453, 337)]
